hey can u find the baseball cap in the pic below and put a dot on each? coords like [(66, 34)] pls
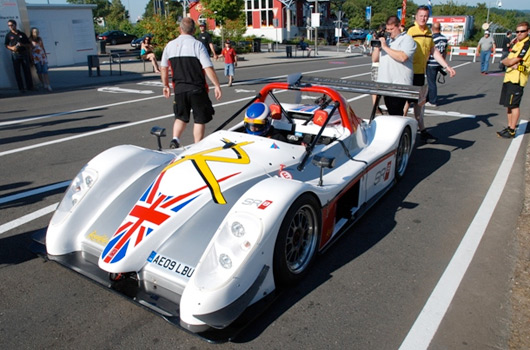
[(486, 32)]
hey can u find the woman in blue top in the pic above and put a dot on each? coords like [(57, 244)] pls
[(146, 52)]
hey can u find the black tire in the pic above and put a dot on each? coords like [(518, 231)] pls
[(297, 241), (113, 42), (403, 152)]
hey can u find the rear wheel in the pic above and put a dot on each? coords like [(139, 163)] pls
[(297, 241), (113, 42), (403, 153)]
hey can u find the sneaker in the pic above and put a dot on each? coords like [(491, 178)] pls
[(428, 104), (174, 144), (427, 138), (506, 133)]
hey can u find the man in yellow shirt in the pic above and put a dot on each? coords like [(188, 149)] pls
[(517, 70), (424, 48)]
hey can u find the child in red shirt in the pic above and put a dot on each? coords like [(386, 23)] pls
[(230, 61)]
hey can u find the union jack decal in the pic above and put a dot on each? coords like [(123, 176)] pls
[(151, 211), (154, 208)]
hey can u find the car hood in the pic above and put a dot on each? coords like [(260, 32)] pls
[(208, 177)]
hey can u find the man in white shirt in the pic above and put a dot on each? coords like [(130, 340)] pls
[(395, 62)]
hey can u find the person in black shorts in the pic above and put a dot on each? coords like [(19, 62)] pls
[(190, 63), (517, 72)]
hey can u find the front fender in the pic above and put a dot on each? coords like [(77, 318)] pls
[(234, 263), (100, 196)]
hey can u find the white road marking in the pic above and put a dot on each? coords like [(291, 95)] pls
[(449, 114), (356, 75), (156, 83), (429, 319), (30, 119), (34, 192), (119, 90), (25, 120), (238, 91), (27, 218), (440, 113), (42, 144), (95, 132)]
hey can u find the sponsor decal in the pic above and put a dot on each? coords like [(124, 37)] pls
[(387, 174), (260, 204), (265, 204), (171, 264), (275, 146), (99, 239), (284, 173), (383, 174), (200, 161)]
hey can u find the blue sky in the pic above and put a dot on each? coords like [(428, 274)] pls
[(136, 7)]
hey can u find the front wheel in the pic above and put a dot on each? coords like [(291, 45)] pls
[(297, 241), (403, 152)]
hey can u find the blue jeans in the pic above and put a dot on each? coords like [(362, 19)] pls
[(432, 73), (485, 60)]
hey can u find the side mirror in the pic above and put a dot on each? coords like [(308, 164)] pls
[(158, 132), (323, 162)]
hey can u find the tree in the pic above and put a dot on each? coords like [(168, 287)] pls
[(226, 12), (160, 7), (355, 11), (163, 29), (102, 10)]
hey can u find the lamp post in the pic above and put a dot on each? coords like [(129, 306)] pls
[(499, 4)]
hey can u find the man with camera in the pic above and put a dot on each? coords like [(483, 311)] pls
[(395, 51), (433, 67)]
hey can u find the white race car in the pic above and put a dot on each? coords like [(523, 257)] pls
[(201, 233)]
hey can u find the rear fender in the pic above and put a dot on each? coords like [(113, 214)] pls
[(217, 295), (100, 196)]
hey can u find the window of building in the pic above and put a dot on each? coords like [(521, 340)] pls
[(265, 9)]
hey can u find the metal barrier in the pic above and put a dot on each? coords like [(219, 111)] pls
[(352, 48), (498, 53), (463, 51)]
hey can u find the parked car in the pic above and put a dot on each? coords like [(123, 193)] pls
[(115, 37), (136, 43), (358, 34)]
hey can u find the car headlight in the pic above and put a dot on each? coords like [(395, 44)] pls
[(236, 239), (79, 187)]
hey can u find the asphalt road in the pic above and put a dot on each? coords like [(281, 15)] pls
[(364, 293)]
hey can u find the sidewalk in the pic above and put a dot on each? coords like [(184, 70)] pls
[(77, 76)]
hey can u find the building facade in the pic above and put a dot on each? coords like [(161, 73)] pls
[(279, 20)]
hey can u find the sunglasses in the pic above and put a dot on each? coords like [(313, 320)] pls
[(521, 31)]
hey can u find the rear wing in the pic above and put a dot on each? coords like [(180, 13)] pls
[(410, 92)]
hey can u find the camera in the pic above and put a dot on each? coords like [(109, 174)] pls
[(442, 71), (381, 33)]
